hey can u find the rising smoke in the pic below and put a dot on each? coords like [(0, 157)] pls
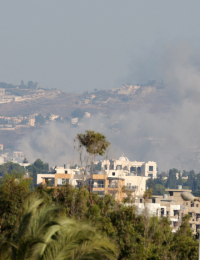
[(170, 138)]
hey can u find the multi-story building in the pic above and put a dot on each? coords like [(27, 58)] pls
[(146, 169), (63, 175), (99, 182), (31, 121), (173, 207), (18, 154)]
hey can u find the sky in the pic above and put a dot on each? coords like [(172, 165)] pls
[(78, 46)]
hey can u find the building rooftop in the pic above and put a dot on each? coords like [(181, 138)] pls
[(178, 190)]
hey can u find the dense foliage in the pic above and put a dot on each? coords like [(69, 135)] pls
[(10, 167), (37, 167), (136, 236)]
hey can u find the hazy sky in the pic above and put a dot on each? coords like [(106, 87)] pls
[(82, 45)]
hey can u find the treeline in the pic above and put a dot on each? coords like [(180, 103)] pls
[(159, 184), (30, 85), (33, 169), (113, 230)]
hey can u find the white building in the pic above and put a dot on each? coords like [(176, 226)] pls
[(53, 117), (146, 169), (74, 120), (87, 115)]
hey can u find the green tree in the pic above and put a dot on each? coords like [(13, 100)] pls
[(184, 246), (42, 167), (191, 181), (151, 184), (171, 181), (37, 167), (11, 167), (13, 191), (159, 189), (40, 119), (94, 142), (42, 233)]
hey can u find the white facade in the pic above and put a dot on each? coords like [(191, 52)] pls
[(146, 169), (74, 120), (53, 117), (40, 176), (134, 173)]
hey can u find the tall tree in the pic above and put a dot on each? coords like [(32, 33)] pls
[(171, 181), (94, 142)]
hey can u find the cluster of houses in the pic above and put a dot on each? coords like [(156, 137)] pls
[(117, 177)]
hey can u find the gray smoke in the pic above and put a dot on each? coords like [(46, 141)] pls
[(170, 138)]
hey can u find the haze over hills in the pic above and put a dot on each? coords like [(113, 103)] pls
[(152, 121)]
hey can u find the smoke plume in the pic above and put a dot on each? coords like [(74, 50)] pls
[(171, 138)]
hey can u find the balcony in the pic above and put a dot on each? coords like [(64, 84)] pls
[(128, 187), (98, 185), (115, 186)]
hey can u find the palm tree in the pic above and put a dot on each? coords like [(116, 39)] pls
[(41, 232)]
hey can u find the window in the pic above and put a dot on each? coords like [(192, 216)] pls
[(153, 200), (171, 193), (133, 169), (65, 171), (150, 168), (62, 181), (140, 200), (192, 204), (113, 173), (197, 205), (105, 167), (119, 167)]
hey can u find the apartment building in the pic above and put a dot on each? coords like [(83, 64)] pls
[(18, 154), (145, 169), (31, 121), (173, 207), (116, 183), (63, 175)]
